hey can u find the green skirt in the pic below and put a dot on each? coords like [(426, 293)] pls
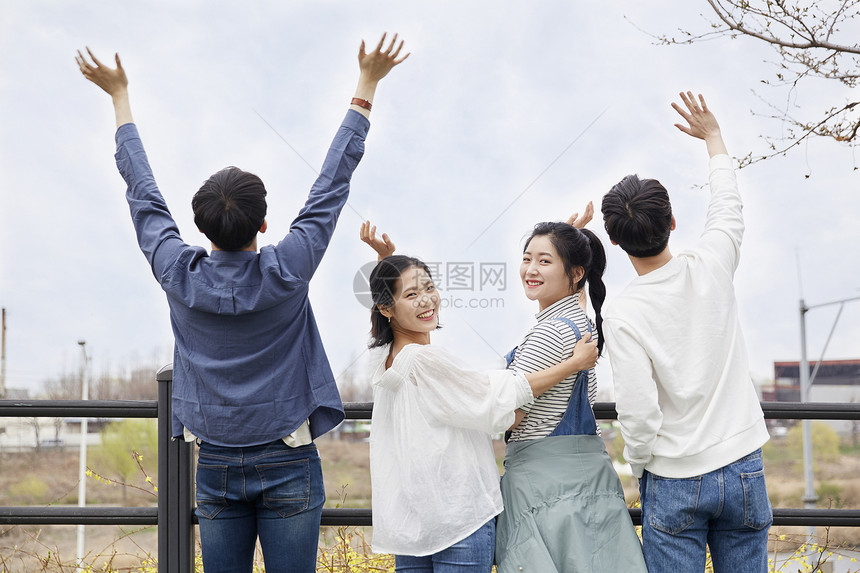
[(564, 510)]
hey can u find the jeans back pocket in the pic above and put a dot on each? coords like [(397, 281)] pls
[(286, 486), (758, 513), (673, 502), (211, 489)]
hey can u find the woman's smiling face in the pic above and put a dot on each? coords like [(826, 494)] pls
[(542, 272), (416, 306)]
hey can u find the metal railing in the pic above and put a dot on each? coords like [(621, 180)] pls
[(174, 515)]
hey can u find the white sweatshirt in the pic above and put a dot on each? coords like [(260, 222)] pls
[(685, 399)]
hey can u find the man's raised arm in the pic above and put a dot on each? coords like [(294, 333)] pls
[(725, 211)]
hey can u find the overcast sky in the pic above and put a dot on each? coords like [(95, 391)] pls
[(506, 114)]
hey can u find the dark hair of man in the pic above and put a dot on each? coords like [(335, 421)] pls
[(384, 286), (637, 215), (579, 248), (230, 208)]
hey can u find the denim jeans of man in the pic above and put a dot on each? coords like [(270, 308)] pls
[(727, 509), (272, 491), (473, 554)]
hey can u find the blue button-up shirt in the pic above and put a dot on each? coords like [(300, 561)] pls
[(249, 365)]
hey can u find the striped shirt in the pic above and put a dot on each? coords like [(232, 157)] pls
[(546, 344)]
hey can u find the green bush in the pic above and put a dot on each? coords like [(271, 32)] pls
[(29, 491), (825, 443), (830, 495), (115, 459)]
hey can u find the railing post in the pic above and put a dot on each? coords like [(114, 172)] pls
[(175, 488)]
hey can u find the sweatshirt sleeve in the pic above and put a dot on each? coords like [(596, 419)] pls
[(724, 227), (636, 398), (458, 396)]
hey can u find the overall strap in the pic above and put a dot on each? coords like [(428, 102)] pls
[(578, 418), (572, 324)]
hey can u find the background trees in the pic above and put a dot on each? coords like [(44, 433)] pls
[(814, 42)]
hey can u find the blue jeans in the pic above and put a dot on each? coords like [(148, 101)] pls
[(271, 490), (727, 509), (473, 554)]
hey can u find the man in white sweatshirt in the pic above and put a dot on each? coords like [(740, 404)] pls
[(689, 414)]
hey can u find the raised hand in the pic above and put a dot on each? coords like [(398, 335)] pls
[(580, 222), (701, 123), (111, 80), (376, 65), (384, 247)]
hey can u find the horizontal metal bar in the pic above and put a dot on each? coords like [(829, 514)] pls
[(79, 408), (65, 515), (773, 411), (791, 516), (74, 515), (346, 517), (364, 410), (824, 517), (358, 410), (811, 410)]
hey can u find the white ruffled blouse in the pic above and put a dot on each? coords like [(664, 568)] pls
[(432, 466)]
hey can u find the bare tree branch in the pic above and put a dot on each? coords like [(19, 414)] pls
[(812, 40)]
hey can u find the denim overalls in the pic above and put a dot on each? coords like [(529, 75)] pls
[(578, 419)]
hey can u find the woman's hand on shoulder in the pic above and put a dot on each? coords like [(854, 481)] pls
[(383, 246), (584, 353)]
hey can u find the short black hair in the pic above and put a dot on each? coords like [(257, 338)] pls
[(230, 208), (637, 215)]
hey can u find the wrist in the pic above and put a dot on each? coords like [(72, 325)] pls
[(715, 144), (120, 98), (366, 88)]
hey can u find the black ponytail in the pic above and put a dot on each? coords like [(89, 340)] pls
[(596, 288)]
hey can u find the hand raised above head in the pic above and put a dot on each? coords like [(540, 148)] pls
[(580, 222), (376, 64), (384, 247), (701, 123), (111, 80)]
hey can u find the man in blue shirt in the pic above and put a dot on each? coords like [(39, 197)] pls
[(251, 380)]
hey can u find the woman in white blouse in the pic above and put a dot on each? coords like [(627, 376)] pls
[(433, 471)]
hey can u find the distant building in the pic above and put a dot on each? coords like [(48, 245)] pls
[(836, 381)]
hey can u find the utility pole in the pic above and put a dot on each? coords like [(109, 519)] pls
[(82, 467), (809, 495), (3, 359)]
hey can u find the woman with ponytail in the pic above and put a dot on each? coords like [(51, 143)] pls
[(432, 466), (564, 506)]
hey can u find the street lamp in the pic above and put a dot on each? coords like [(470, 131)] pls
[(82, 466)]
